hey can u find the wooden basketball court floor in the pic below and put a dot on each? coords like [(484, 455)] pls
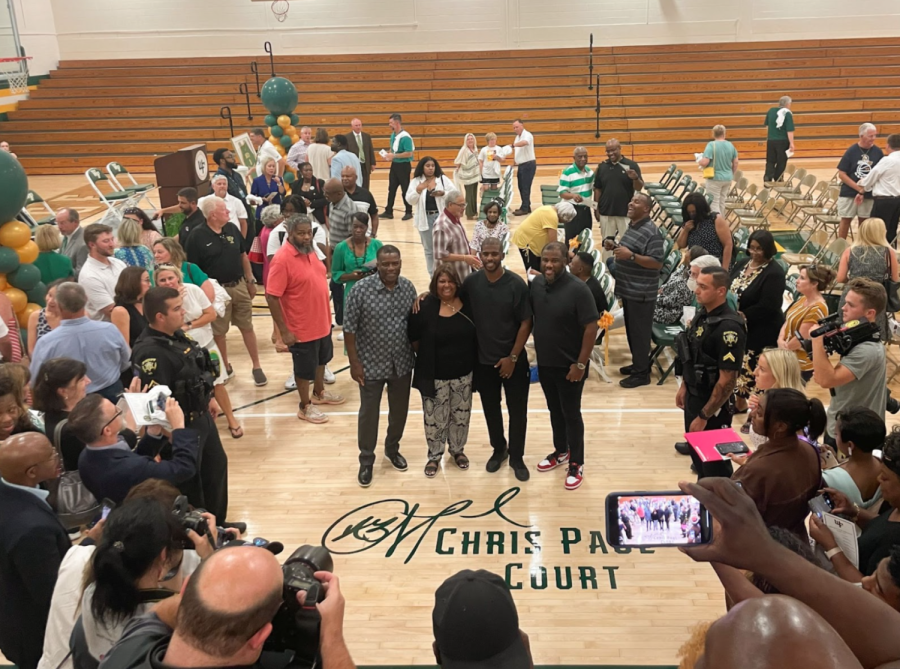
[(580, 601)]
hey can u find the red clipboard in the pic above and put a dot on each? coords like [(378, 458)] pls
[(704, 443)]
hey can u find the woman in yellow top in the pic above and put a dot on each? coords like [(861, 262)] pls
[(538, 229), (805, 313)]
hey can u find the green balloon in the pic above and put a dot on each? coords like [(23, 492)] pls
[(295, 119), (38, 294), (279, 96), (25, 277), (289, 177), (9, 259), (14, 183), (277, 131), (286, 142), (271, 120)]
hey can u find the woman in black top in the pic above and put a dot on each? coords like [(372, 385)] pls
[(443, 335), (312, 191), (128, 314), (706, 228), (758, 283), (61, 383)]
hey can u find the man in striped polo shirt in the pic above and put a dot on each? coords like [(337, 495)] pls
[(576, 185)]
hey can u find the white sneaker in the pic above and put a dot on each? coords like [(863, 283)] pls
[(329, 375), (340, 336), (312, 415), (291, 383)]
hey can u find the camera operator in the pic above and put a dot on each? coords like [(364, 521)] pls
[(860, 378), (223, 618)]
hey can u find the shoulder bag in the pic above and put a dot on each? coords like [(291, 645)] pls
[(709, 172), (75, 505), (893, 300)]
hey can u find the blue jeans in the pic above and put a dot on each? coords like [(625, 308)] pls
[(524, 177), (427, 237)]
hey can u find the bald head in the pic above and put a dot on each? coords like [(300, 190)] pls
[(772, 632), (28, 459), (348, 178), (229, 602), (356, 125), (614, 150), (334, 191)]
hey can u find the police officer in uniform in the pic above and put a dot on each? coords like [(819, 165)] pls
[(164, 355), (711, 353)]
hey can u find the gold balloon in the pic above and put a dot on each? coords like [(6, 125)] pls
[(28, 252), (275, 141), (14, 234), (284, 121), (295, 139), (17, 297), (3, 282), (23, 315), (292, 131), (281, 150)]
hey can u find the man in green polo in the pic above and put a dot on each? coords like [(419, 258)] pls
[(400, 156), (576, 185), (780, 139)]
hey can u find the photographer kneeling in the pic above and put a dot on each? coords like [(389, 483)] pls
[(224, 616), (860, 378)]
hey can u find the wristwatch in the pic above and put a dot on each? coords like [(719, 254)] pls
[(513, 357), (832, 552), (703, 415), (580, 365), (632, 256)]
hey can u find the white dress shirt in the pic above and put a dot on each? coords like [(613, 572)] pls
[(525, 153), (884, 179), (99, 282)]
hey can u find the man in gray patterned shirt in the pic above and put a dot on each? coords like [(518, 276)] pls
[(380, 354)]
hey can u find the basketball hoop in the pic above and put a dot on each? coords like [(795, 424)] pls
[(15, 71), (280, 9)]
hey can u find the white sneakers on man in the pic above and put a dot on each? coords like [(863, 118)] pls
[(291, 383)]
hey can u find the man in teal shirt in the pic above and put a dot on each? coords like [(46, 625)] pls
[(400, 156), (780, 139)]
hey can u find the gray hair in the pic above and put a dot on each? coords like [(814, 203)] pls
[(294, 220), (452, 195), (706, 261), (209, 205), (218, 177), (784, 101), (865, 127), (565, 211), (270, 214), (719, 130), (71, 297)]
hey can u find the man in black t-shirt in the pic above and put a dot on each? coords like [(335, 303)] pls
[(502, 313), (855, 164), (615, 182), (360, 194), (582, 266), (565, 328)]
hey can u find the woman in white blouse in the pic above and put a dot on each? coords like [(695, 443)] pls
[(426, 194)]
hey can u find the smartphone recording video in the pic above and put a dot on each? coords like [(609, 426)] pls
[(638, 519)]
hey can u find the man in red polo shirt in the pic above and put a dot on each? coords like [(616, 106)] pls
[(298, 296)]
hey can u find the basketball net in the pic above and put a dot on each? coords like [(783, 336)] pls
[(16, 73), (280, 9)]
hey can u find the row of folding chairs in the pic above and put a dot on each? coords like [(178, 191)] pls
[(116, 193), (503, 194)]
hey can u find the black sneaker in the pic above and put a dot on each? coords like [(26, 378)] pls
[(365, 476), (635, 381), (626, 371), (386, 214), (520, 470), (407, 216), (893, 406), (399, 462), (494, 462), (683, 448)]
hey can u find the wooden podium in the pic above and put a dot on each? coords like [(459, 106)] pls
[(187, 167)]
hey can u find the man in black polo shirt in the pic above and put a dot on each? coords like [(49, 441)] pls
[(193, 217), (615, 182), (217, 249), (639, 257), (565, 328), (502, 313), (360, 194)]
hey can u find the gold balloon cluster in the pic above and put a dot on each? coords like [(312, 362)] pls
[(282, 135), (15, 236)]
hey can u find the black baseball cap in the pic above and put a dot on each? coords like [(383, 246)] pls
[(476, 624)]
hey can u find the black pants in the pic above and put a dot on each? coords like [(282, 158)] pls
[(887, 209), (209, 488), (564, 403), (114, 392), (692, 406), (530, 260), (489, 382), (524, 178), (366, 175), (776, 158), (638, 330), (398, 178), (582, 221), (337, 297), (370, 413)]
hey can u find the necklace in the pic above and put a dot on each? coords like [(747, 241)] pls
[(359, 260), (449, 306)]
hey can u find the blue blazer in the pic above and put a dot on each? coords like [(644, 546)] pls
[(32, 546), (111, 472)]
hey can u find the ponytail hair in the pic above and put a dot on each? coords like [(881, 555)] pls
[(133, 540), (791, 407)]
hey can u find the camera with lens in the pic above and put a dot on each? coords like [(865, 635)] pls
[(295, 628), (190, 519), (839, 337)]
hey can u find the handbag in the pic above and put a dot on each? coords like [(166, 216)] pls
[(75, 505), (709, 172), (893, 300), (255, 255)]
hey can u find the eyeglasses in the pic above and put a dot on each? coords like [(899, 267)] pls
[(107, 423), (458, 204), (54, 456)]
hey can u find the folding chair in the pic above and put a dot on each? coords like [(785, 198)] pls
[(740, 237), (761, 219), (832, 255), (672, 260), (753, 207), (665, 180), (663, 337), (824, 205), (798, 194), (790, 170), (34, 198), (810, 251), (752, 192), (116, 170), (113, 200), (791, 184), (736, 194)]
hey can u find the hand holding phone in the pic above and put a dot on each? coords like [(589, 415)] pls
[(610, 244), (662, 518)]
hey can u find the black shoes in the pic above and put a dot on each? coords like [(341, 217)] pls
[(399, 462), (406, 217), (683, 448), (494, 462), (386, 214), (521, 212), (365, 476), (520, 470), (893, 406), (626, 371), (635, 381)]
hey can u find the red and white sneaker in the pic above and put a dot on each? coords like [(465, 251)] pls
[(575, 476), (553, 461)]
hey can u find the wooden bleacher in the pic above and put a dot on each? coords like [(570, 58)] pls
[(660, 101)]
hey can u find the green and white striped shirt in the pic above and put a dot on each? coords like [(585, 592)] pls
[(578, 183)]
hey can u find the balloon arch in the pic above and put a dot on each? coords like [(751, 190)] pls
[(279, 96)]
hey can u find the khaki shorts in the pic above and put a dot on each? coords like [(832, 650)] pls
[(238, 312), (847, 207)]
